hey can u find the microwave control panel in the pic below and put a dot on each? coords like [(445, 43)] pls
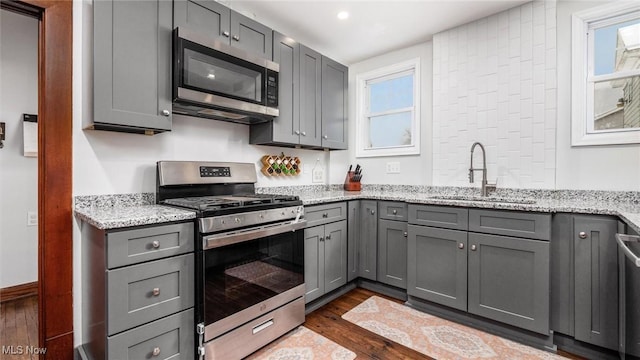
[(272, 88)]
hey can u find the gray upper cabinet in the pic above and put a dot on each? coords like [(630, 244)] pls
[(392, 252), (132, 66), (310, 97), (218, 22), (335, 77), (596, 280), (437, 265), (509, 280), (204, 16), (368, 242)]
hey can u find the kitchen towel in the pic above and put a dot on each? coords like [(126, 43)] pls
[(302, 343), (435, 337)]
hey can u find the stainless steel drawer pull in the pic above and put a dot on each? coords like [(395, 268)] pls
[(395, 212), (155, 291), (582, 235), (461, 246), (156, 351), (325, 215), (262, 326), (155, 244), (473, 248)]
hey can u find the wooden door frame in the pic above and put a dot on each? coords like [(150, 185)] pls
[(55, 220)]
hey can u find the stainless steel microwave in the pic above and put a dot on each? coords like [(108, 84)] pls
[(214, 80)]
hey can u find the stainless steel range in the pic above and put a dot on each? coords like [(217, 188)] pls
[(249, 257)]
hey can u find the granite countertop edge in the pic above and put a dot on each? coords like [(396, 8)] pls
[(104, 213)]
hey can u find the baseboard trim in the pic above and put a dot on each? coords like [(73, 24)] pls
[(18, 291)]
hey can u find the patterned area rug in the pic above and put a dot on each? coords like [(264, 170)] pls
[(303, 344), (435, 337)]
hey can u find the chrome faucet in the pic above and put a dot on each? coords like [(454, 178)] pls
[(486, 187)]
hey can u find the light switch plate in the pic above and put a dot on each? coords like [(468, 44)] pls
[(32, 218), (393, 167)]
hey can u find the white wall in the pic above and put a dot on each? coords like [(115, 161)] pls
[(415, 169), (495, 82), (587, 167), (18, 174)]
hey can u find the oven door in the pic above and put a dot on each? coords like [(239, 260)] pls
[(246, 279)]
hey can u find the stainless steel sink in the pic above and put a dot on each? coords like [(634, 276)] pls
[(492, 199)]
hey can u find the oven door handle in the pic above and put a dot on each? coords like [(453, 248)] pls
[(237, 236)]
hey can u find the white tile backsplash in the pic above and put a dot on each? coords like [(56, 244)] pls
[(495, 82)]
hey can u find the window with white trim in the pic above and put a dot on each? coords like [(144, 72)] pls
[(388, 111), (606, 75)]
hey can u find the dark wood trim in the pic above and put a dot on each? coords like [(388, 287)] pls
[(55, 220), (18, 291)]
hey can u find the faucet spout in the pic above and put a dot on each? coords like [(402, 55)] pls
[(484, 189)]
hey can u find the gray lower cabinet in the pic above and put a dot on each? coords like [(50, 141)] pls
[(131, 66), (325, 259), (353, 237), (392, 253), (368, 240), (596, 280), (508, 280), (437, 265), (218, 22), (335, 77), (138, 292)]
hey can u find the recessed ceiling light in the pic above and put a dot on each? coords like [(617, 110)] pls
[(343, 15)]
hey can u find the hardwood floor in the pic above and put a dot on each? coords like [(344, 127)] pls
[(19, 328), (328, 322)]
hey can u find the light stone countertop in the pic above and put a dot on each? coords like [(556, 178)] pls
[(124, 210)]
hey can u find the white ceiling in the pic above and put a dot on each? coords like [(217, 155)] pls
[(373, 28)]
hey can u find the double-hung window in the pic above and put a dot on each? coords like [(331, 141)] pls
[(388, 111), (606, 75)]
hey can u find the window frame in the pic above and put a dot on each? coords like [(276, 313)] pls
[(362, 114), (583, 80)]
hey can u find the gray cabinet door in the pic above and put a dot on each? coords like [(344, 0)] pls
[(368, 242), (335, 77), (353, 235), (132, 65), (392, 253), (335, 255), (313, 263), (437, 265), (207, 17), (596, 281), (286, 52), (509, 280), (251, 36), (310, 97)]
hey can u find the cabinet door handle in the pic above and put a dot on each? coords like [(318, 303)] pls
[(325, 137), (155, 244), (165, 112), (325, 215), (582, 235), (405, 234), (225, 33), (321, 238), (297, 132), (236, 37), (461, 246), (155, 291), (373, 212), (156, 351), (395, 212), (304, 133), (328, 237), (473, 248)]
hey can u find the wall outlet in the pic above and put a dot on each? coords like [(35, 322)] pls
[(32, 218), (318, 175), (393, 167)]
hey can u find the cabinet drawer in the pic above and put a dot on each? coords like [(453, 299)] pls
[(511, 223), (392, 210), (169, 338), (142, 293), (138, 245), (323, 214), (439, 216)]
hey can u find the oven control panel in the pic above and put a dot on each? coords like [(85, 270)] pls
[(215, 171)]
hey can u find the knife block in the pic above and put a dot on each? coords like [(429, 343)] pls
[(349, 184)]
